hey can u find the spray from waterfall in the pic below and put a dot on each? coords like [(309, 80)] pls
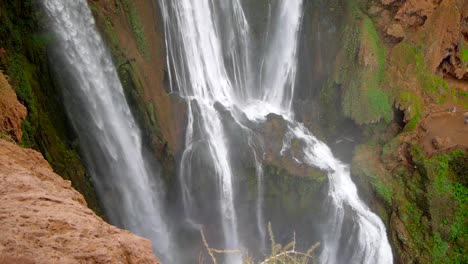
[(369, 232), (209, 47), (128, 187)]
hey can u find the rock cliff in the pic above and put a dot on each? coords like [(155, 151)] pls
[(409, 162), (44, 220), (12, 113)]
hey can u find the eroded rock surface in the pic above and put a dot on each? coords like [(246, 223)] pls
[(12, 112), (44, 220)]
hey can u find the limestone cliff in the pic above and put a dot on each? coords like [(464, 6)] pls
[(401, 76), (44, 220), (12, 113)]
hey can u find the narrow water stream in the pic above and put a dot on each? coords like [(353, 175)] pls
[(127, 186)]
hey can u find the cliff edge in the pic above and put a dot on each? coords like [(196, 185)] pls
[(12, 112), (44, 220)]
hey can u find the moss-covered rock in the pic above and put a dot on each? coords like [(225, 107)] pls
[(361, 66), (133, 32), (424, 205)]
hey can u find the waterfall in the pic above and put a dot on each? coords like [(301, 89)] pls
[(209, 53), (127, 185), (369, 232), (202, 77)]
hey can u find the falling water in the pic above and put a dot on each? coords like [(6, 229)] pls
[(202, 78), (108, 134), (210, 64), (369, 234)]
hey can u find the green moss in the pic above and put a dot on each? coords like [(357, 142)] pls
[(390, 150), (464, 53), (365, 170), (137, 26), (384, 191), (6, 136), (361, 76), (461, 97), (411, 58), (413, 106), (330, 110), (431, 201), (440, 166), (452, 197)]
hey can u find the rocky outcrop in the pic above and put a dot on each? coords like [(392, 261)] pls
[(134, 34), (439, 27), (408, 169), (12, 112), (273, 131), (44, 220)]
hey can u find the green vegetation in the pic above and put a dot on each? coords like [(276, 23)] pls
[(137, 26), (7, 137), (384, 191), (361, 77), (408, 56), (407, 95), (413, 105), (464, 53), (432, 199), (447, 198), (377, 181), (421, 199)]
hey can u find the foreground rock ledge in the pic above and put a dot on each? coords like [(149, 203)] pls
[(44, 220)]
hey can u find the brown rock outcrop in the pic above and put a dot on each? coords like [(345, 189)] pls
[(12, 112), (441, 25), (415, 12), (44, 220)]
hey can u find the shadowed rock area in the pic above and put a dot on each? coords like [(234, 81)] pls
[(44, 220)]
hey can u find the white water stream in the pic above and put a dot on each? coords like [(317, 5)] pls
[(209, 53), (109, 136), (200, 53)]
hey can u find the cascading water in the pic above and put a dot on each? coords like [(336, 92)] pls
[(368, 231), (108, 134), (202, 78), (208, 58)]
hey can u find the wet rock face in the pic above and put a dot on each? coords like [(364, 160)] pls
[(273, 131), (12, 112), (44, 220)]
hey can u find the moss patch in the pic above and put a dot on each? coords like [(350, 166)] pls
[(430, 198), (361, 72), (136, 25), (464, 53)]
